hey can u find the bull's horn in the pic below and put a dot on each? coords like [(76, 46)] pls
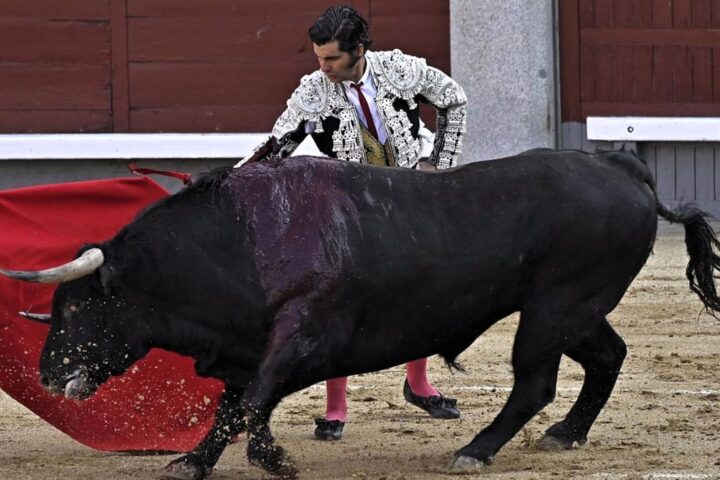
[(38, 317), (85, 264)]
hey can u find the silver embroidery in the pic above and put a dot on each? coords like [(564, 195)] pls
[(401, 75), (398, 76), (398, 125), (314, 100), (449, 97), (347, 143)]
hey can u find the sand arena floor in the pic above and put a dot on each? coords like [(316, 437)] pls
[(662, 421)]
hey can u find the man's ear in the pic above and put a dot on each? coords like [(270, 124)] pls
[(360, 50)]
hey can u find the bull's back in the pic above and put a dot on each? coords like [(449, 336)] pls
[(488, 223), (496, 223), (519, 200)]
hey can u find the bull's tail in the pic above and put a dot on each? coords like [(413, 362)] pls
[(702, 245), (700, 239)]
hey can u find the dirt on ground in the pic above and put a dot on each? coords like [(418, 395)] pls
[(662, 420)]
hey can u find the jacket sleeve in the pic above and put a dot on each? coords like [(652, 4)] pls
[(450, 102), (306, 108)]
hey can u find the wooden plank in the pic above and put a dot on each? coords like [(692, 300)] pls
[(652, 109), (715, 15), (120, 80), (642, 74), (701, 14), (662, 74), (571, 135), (55, 10), (704, 173), (627, 13), (623, 72), (194, 8), (588, 76), (421, 35), (648, 153), (241, 118), (214, 38), (570, 60), (43, 41), (702, 74), (682, 14), (363, 8), (55, 121), (645, 14), (685, 172), (665, 161), (399, 8), (682, 75), (249, 39), (606, 88), (41, 87), (195, 84), (626, 74), (604, 15), (662, 13), (585, 10), (585, 145), (716, 73), (629, 36)]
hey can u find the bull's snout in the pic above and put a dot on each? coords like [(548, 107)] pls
[(75, 385)]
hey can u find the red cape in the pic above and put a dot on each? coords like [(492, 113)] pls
[(159, 404)]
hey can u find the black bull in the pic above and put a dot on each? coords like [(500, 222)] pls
[(248, 270)]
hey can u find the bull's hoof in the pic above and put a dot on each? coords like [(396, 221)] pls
[(464, 464), (551, 443), (287, 470), (183, 469), (274, 460)]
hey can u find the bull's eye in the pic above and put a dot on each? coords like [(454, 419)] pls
[(71, 308)]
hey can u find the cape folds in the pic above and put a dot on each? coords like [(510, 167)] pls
[(159, 404)]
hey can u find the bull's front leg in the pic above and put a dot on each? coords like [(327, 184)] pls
[(199, 463), (261, 397), (282, 371), (261, 449)]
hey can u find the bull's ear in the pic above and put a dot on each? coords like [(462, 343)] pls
[(107, 274)]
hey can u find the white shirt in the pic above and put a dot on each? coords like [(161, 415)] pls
[(369, 90)]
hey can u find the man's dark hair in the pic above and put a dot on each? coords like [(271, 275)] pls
[(341, 23)]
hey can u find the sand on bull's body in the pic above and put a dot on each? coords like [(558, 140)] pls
[(662, 421)]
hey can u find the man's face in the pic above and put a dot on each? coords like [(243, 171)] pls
[(340, 66)]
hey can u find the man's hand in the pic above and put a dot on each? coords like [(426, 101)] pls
[(425, 166)]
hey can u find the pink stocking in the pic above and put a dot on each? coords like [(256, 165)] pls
[(417, 378), (336, 407)]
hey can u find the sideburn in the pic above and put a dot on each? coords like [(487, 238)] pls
[(355, 59)]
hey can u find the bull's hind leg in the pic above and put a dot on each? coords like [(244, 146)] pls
[(539, 343), (199, 463), (601, 353)]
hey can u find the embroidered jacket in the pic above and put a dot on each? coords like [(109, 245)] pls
[(320, 108)]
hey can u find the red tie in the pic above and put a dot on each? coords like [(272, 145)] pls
[(365, 109)]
